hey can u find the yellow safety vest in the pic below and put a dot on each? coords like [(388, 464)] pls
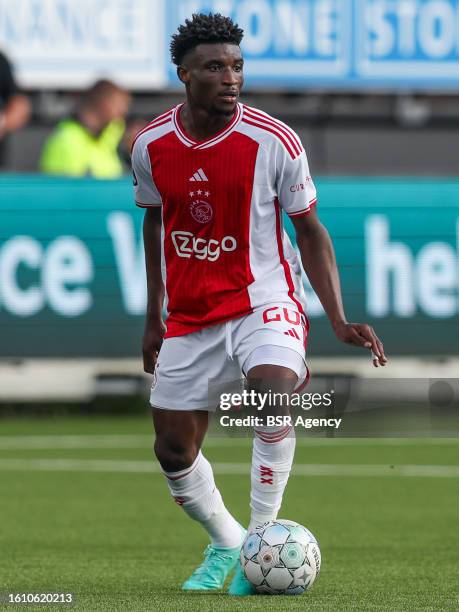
[(72, 150)]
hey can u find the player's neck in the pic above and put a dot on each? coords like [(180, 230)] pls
[(201, 124)]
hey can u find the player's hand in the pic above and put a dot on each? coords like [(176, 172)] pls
[(361, 334), (152, 341)]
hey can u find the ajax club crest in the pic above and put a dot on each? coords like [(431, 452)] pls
[(200, 210)]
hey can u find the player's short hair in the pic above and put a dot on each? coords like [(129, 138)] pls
[(202, 28)]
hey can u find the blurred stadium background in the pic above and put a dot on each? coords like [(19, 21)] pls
[(372, 87)]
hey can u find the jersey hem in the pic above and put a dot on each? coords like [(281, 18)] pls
[(190, 329)]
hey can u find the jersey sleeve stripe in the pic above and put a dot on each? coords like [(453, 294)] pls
[(303, 211), (164, 115), (288, 132), (159, 121), (164, 118), (158, 124), (156, 120), (293, 142), (281, 124), (274, 131)]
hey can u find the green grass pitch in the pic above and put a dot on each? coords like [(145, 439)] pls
[(83, 511)]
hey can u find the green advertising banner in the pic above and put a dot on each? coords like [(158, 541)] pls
[(72, 275)]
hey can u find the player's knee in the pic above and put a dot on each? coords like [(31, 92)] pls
[(174, 455), (277, 379)]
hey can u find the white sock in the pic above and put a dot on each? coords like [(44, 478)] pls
[(194, 489), (272, 457)]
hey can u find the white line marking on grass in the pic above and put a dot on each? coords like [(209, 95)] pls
[(83, 441), (146, 441), (309, 441), (79, 465), (140, 467)]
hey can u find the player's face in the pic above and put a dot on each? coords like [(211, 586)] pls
[(213, 75)]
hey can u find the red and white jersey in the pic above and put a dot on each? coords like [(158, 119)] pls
[(224, 249)]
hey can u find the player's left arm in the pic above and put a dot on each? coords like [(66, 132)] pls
[(319, 262)]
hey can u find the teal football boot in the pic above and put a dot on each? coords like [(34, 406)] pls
[(213, 571), (240, 585)]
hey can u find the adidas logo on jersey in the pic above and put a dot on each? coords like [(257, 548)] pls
[(292, 332), (199, 175)]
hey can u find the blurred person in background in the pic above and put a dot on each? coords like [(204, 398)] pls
[(89, 143), (14, 106)]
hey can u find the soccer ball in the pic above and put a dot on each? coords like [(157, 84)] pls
[(281, 558)]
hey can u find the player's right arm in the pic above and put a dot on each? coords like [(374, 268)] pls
[(147, 196), (154, 325), (297, 196)]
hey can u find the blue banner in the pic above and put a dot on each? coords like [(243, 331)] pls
[(341, 43), (411, 41), (333, 44)]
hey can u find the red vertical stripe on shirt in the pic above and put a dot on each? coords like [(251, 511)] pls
[(284, 262)]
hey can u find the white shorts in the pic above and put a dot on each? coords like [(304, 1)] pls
[(188, 366)]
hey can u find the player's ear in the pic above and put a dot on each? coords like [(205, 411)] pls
[(183, 74)]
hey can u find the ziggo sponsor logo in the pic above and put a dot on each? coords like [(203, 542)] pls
[(186, 245)]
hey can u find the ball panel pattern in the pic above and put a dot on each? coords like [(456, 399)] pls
[(281, 557)]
